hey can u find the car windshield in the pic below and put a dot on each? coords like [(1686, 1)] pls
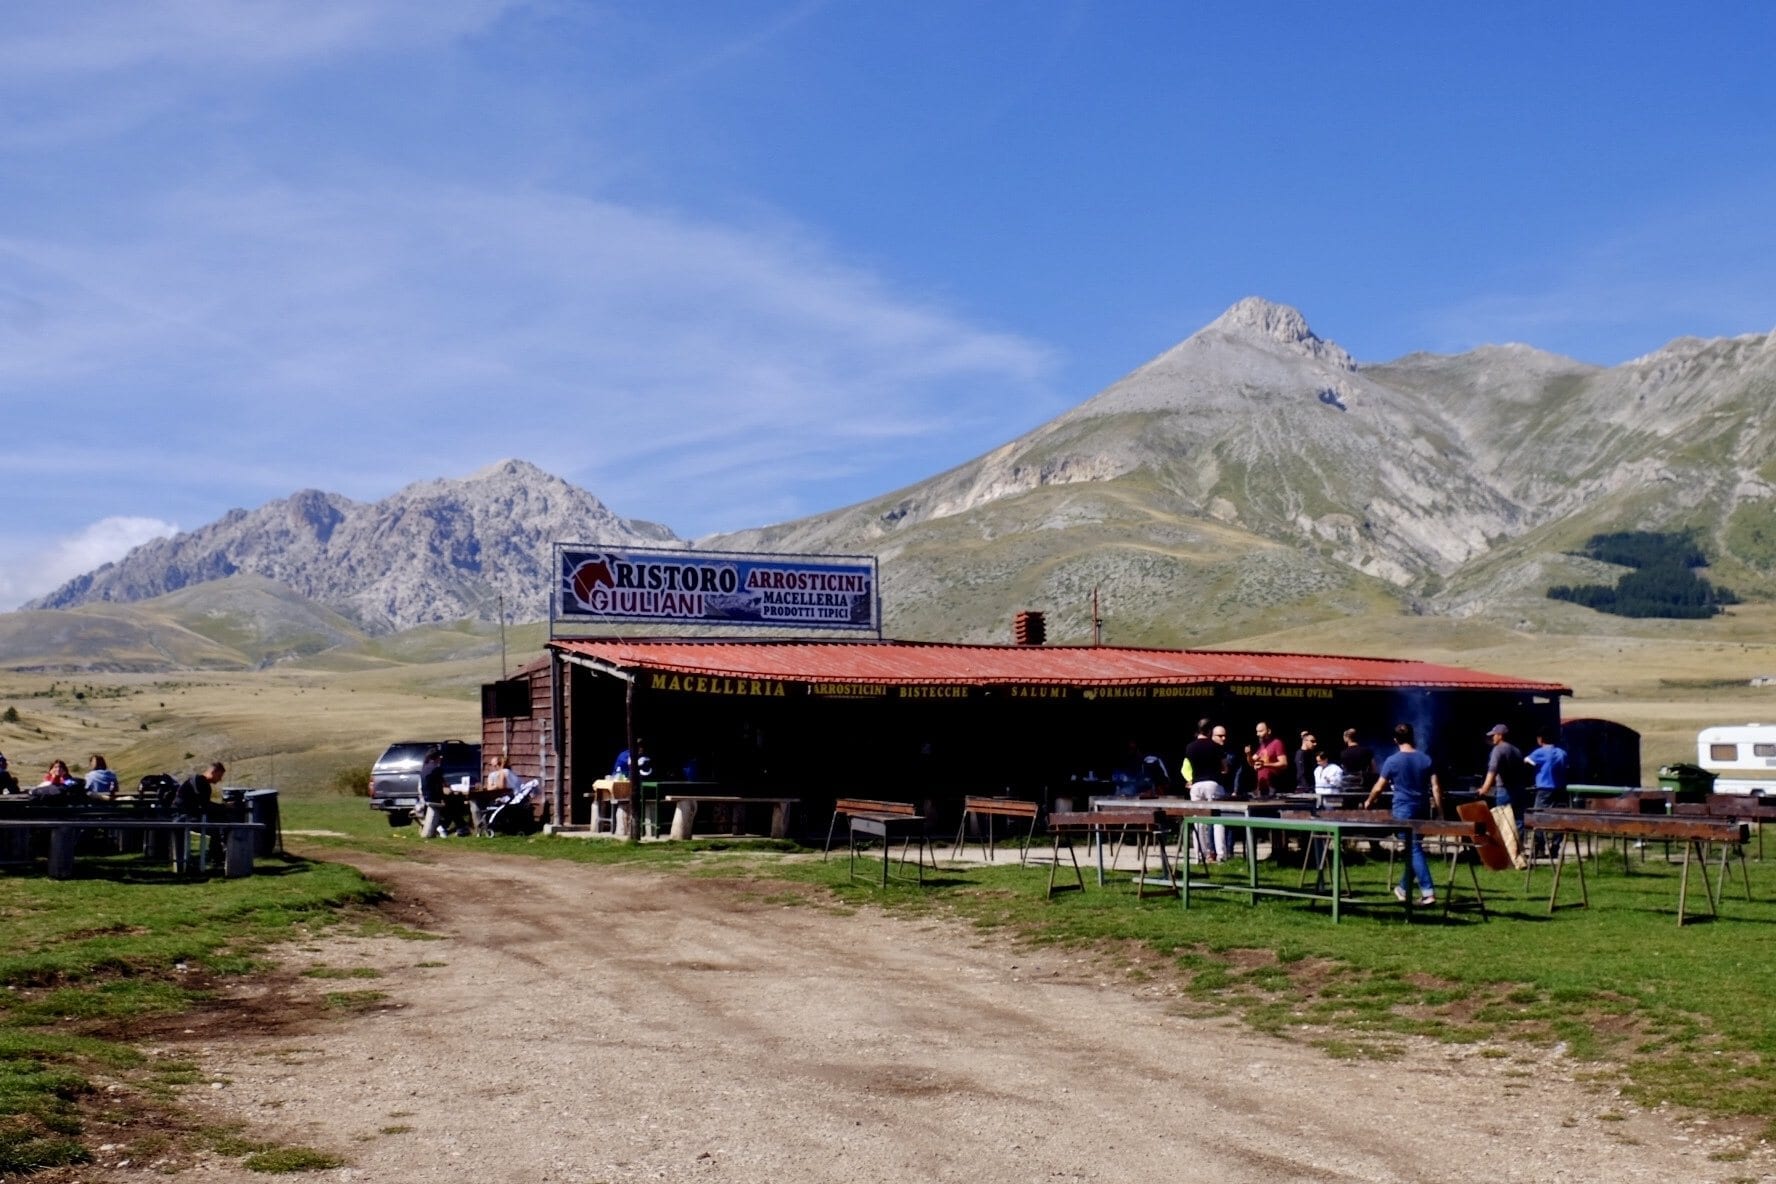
[(412, 755), (402, 754)]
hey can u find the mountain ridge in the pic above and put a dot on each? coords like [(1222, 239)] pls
[(436, 550), (1255, 475)]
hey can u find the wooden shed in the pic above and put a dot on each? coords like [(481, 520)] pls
[(930, 722)]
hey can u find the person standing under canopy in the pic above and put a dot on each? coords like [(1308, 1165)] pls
[(1417, 794), (1270, 760), (1206, 759)]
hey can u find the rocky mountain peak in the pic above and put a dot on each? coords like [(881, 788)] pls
[(1262, 322), (316, 512), (436, 550)]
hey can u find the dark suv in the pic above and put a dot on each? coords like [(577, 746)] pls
[(394, 778)]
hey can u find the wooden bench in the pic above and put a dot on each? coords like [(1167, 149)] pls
[(845, 807), (979, 808), (64, 838), (684, 814)]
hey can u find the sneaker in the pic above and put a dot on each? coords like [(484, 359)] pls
[(1399, 894), (1428, 898)]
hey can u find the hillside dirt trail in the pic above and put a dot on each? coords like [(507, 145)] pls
[(583, 1023)]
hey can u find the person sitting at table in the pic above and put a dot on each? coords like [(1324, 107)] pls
[(191, 801), (500, 781), (643, 762), (8, 783), (58, 784), (100, 780)]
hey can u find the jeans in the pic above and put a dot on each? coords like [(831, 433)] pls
[(1416, 864), (1220, 838), (1548, 799)]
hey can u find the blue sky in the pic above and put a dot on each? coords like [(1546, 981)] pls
[(729, 263)]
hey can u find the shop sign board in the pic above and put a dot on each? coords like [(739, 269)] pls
[(647, 586)]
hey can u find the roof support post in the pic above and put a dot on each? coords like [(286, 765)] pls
[(557, 734), (635, 795)]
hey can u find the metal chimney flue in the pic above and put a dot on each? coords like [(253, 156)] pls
[(1029, 628)]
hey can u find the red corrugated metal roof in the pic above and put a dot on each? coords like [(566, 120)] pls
[(905, 662)]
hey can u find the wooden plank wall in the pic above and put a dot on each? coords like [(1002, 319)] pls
[(529, 738)]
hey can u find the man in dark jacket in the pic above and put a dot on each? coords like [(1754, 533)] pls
[(191, 801), (431, 795)]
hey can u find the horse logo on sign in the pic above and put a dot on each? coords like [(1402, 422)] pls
[(590, 573)]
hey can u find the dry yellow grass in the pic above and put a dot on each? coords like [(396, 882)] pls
[(301, 731), (312, 729)]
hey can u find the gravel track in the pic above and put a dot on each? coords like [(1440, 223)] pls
[(582, 1023)]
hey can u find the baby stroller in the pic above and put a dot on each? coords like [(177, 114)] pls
[(512, 813)]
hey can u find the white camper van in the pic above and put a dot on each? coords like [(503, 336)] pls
[(1741, 756)]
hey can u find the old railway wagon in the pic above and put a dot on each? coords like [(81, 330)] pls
[(929, 723)]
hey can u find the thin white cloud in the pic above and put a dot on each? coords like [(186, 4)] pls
[(1630, 283), (43, 38), (27, 574), (360, 335)]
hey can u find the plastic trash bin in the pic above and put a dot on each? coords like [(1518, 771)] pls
[(1688, 783), (262, 807)]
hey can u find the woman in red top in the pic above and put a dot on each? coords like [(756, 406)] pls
[(58, 774)]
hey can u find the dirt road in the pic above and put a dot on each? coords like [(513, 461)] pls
[(586, 1024)]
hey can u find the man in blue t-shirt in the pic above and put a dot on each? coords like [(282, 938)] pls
[(1549, 762), (1417, 794)]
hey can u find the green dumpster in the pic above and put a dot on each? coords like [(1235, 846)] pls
[(1688, 783)]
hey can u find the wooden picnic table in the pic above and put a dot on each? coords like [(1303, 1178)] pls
[(684, 814), (64, 837)]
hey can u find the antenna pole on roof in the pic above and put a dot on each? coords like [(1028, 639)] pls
[(502, 613), (1097, 621)]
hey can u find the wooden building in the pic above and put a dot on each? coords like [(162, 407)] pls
[(930, 722)]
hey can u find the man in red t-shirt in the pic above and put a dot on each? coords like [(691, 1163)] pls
[(1271, 760)]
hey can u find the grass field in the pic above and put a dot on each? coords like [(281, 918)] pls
[(89, 961)]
